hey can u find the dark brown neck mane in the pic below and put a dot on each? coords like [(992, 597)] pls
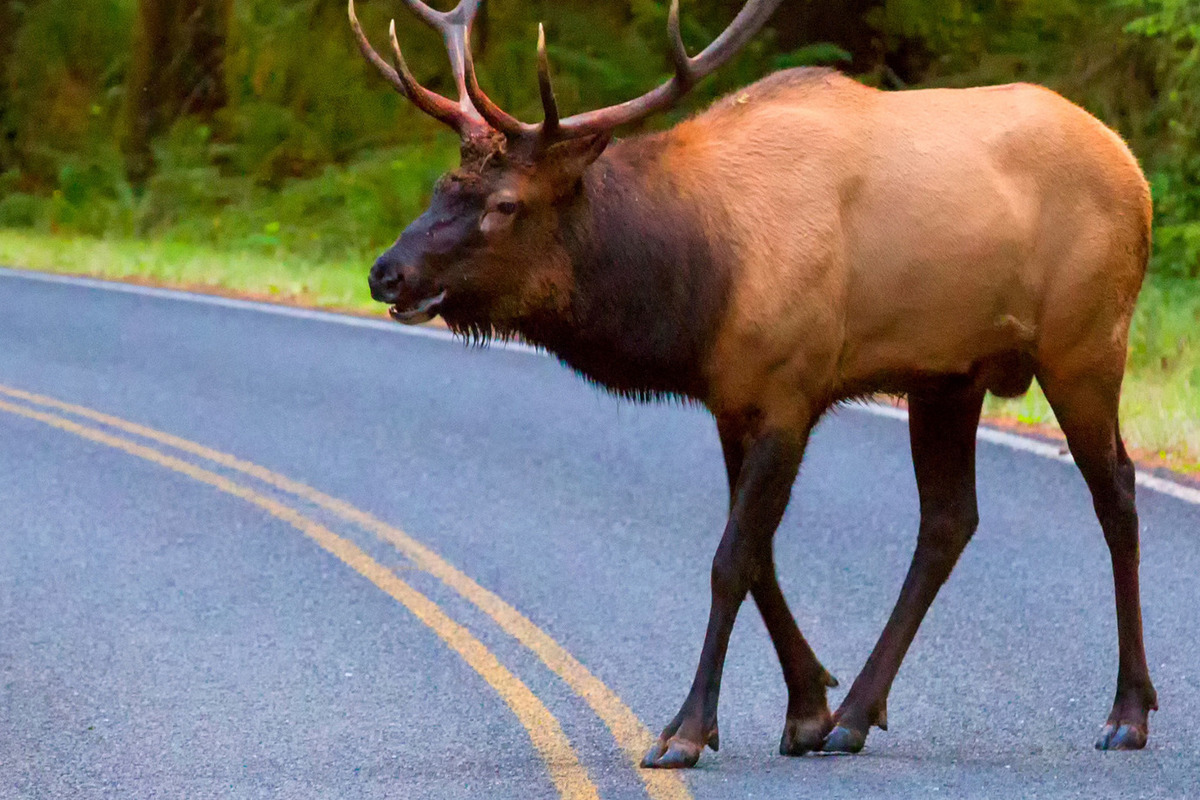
[(649, 286)]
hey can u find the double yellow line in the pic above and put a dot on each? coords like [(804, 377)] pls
[(567, 773)]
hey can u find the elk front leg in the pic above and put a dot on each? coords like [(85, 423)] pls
[(764, 485), (808, 719)]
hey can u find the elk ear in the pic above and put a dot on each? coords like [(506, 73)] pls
[(572, 157)]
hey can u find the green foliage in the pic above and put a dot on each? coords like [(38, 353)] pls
[(1165, 336), (1171, 31), (314, 154), (812, 55), (961, 34), (63, 82)]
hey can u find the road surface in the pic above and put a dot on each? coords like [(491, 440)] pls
[(378, 564)]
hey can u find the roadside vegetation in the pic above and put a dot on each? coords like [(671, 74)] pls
[(243, 145), (1160, 403)]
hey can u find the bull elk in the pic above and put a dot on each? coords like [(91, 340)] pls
[(804, 241)]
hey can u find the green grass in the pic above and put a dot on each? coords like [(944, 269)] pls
[(1160, 417), (340, 284), (1160, 406)]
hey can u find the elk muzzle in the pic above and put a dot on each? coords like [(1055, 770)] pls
[(396, 281)]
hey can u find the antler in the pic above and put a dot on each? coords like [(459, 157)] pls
[(455, 27), (475, 112), (688, 72)]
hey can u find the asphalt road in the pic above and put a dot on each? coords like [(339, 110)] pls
[(163, 636)]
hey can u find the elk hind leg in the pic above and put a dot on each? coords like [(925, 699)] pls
[(1086, 408)]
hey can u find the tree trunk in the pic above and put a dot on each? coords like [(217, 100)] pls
[(177, 70), (8, 33)]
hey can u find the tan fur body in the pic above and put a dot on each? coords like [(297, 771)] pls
[(886, 238)]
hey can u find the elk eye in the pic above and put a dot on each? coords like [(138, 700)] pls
[(507, 206)]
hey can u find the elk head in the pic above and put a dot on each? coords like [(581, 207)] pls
[(489, 250)]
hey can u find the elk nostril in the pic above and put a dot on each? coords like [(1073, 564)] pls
[(384, 282), (389, 278)]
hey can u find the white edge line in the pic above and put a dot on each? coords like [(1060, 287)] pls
[(1025, 444), (251, 305), (1012, 441)]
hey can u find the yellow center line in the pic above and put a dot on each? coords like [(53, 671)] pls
[(630, 734), (569, 777)]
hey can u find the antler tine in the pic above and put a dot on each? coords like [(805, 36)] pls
[(743, 28), (497, 117), (430, 16), (679, 55), (688, 71), (546, 87), (455, 26), (459, 116), (369, 53), (431, 103)]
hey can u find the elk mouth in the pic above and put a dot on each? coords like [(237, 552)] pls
[(420, 311)]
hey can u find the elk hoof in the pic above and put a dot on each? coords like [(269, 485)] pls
[(1122, 736), (804, 735), (673, 753), (844, 740)]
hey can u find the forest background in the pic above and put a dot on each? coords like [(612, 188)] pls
[(245, 145)]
